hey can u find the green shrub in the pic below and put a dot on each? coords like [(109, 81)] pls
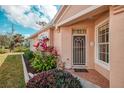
[(24, 49), (20, 49), (54, 79), (28, 54), (43, 62), (17, 49)]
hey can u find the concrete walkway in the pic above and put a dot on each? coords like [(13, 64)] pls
[(18, 53), (2, 58)]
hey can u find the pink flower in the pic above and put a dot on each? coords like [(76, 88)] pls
[(42, 45), (36, 44)]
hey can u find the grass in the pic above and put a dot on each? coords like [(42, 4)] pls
[(11, 72)]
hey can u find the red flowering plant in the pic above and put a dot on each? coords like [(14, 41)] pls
[(36, 44), (41, 45), (46, 57)]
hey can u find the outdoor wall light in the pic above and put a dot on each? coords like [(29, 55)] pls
[(91, 43), (57, 29)]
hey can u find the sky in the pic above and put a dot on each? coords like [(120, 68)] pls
[(24, 18)]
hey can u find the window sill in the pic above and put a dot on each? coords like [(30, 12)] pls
[(103, 64)]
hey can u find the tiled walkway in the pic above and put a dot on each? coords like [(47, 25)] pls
[(92, 76)]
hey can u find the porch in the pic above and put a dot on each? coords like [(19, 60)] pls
[(93, 76), (78, 45)]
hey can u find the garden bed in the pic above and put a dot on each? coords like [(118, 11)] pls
[(53, 78), (37, 62), (28, 66)]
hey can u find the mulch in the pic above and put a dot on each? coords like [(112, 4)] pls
[(28, 66)]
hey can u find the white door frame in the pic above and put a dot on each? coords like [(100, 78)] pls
[(80, 66)]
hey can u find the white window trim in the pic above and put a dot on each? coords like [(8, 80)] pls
[(97, 61)]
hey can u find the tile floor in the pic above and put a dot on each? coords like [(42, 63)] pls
[(92, 76)]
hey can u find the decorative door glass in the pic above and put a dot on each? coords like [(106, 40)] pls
[(79, 50)]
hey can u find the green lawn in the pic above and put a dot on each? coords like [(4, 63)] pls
[(11, 72)]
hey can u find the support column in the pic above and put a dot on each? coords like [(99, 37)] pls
[(116, 46)]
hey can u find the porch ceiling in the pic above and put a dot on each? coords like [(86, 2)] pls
[(91, 15)]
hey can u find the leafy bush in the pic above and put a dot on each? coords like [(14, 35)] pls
[(43, 62), (28, 54), (24, 49), (17, 49), (20, 49), (54, 79)]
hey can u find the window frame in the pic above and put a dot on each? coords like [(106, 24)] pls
[(97, 61)]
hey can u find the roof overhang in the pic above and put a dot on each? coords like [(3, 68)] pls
[(84, 14), (59, 14)]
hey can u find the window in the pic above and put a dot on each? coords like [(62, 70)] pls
[(78, 31), (103, 43)]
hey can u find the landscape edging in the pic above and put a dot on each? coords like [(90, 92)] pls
[(26, 76)]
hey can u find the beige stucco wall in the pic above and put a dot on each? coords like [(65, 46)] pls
[(116, 49), (98, 67), (57, 40), (51, 37), (66, 43), (66, 46)]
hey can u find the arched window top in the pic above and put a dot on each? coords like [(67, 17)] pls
[(78, 31)]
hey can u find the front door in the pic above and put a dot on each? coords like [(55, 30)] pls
[(79, 50)]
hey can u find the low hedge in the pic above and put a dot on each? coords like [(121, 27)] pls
[(29, 54), (20, 49), (54, 79), (43, 62)]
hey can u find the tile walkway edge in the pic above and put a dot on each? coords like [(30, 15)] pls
[(86, 83), (25, 70)]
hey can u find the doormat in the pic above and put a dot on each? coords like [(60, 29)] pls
[(80, 70)]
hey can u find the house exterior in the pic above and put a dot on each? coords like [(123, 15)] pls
[(91, 37)]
